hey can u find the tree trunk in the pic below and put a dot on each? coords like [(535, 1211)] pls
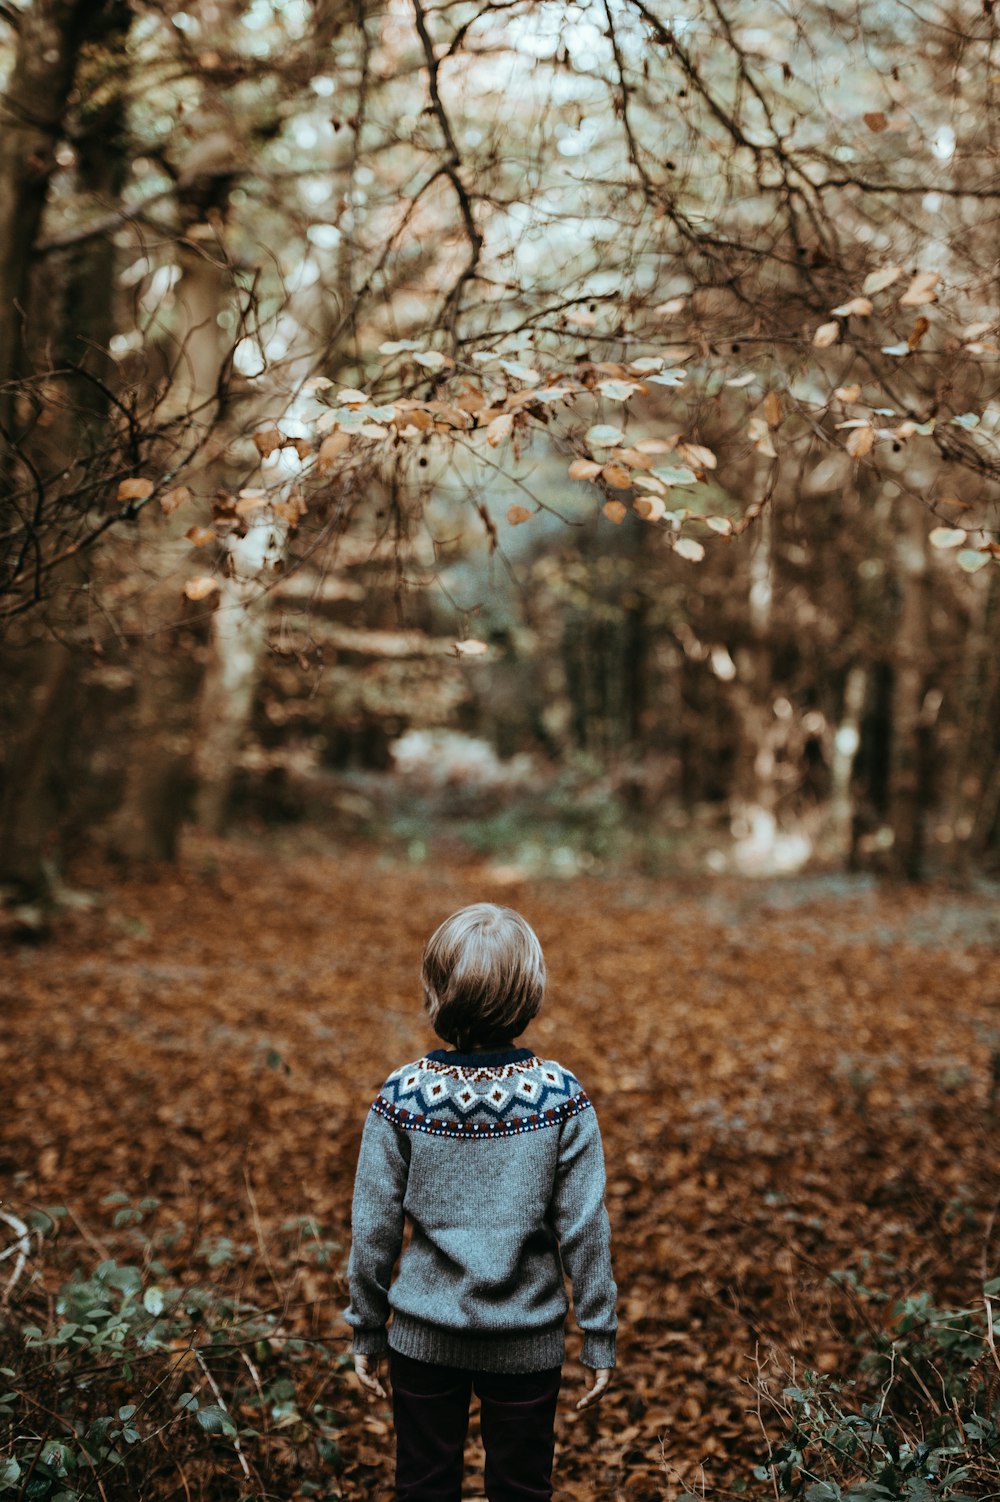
[(31, 116), (155, 795), (69, 305), (910, 729)]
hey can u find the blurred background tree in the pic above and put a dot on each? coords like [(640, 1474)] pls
[(613, 388)]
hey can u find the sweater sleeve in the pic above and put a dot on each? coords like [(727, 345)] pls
[(376, 1231), (581, 1223)]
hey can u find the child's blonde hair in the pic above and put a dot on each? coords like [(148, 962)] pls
[(483, 975)]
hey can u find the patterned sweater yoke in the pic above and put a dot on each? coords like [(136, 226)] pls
[(447, 1099)]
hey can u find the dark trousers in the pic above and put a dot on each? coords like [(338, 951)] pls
[(430, 1406)]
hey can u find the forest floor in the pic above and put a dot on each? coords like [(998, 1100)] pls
[(793, 1078)]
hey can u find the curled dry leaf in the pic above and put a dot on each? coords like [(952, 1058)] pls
[(858, 307), (860, 441), (919, 329), (135, 490), (614, 511), (201, 587), (650, 507), (603, 436), (947, 537), (350, 397), (330, 451), (826, 334), (657, 445), (876, 120), (698, 455), (773, 410), (617, 477), (847, 393), (173, 499), (200, 537), (250, 501), (877, 281), (633, 457), (584, 469), (432, 359), (690, 549), (518, 514), (760, 436), (268, 440), (499, 429), (921, 290)]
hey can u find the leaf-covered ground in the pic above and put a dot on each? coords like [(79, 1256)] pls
[(792, 1079)]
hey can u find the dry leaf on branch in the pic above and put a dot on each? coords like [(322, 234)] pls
[(172, 500), (860, 441), (201, 587), (135, 490), (518, 514), (584, 469), (921, 290), (614, 511)]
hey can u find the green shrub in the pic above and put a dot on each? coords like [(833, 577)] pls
[(919, 1423), (121, 1379)]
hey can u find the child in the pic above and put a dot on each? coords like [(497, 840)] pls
[(495, 1157)]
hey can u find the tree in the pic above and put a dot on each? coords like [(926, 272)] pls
[(560, 229)]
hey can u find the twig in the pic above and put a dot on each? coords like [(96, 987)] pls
[(22, 1247), (222, 1404)]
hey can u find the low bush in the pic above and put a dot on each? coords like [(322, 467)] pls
[(122, 1379)]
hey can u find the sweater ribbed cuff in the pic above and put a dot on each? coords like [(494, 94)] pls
[(371, 1342), (598, 1350)]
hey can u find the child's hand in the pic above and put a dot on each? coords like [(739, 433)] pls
[(602, 1376), (368, 1369)]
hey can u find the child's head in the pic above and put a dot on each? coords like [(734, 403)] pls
[(483, 976)]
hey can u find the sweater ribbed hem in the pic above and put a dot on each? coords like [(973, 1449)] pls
[(534, 1351), (369, 1342), (598, 1350)]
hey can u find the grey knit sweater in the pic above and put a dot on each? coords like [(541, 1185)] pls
[(495, 1160)]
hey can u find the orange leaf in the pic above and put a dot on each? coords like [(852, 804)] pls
[(269, 440), (200, 537), (518, 514), (617, 477), (499, 429), (330, 451), (860, 441), (135, 490), (201, 587), (614, 511), (174, 498), (584, 469)]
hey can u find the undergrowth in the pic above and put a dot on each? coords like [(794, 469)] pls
[(122, 1379)]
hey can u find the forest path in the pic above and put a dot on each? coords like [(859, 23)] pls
[(791, 1078)]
